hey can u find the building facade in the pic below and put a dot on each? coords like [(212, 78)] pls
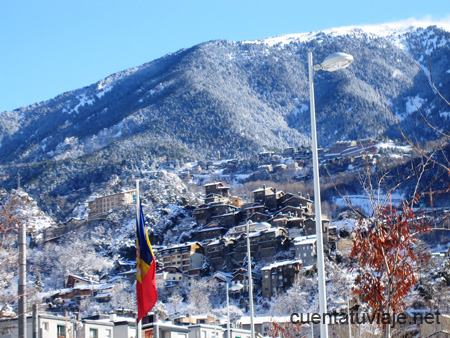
[(186, 257), (99, 207), (278, 277)]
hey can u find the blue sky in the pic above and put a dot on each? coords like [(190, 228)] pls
[(48, 47)]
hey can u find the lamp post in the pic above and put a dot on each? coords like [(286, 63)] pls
[(332, 63)]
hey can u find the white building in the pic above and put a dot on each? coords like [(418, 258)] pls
[(47, 326)]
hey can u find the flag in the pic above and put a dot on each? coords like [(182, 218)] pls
[(146, 269)]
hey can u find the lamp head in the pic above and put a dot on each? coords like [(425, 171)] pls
[(335, 61)]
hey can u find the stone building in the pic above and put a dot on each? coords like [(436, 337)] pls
[(305, 249), (279, 276)]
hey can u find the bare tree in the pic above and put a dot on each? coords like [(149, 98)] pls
[(384, 238)]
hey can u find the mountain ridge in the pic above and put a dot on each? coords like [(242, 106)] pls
[(236, 98)]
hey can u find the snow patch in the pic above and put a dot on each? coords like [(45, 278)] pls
[(104, 91), (445, 114), (397, 74), (391, 146), (300, 110), (83, 100), (366, 205), (412, 105), (157, 89)]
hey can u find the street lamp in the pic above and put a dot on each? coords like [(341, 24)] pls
[(332, 63)]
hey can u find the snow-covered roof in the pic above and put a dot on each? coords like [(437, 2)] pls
[(228, 214), (262, 189), (302, 240), (225, 274), (210, 184), (277, 264), (255, 206), (236, 287), (105, 286), (215, 242), (245, 320), (179, 245), (132, 271)]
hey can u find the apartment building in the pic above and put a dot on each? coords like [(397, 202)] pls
[(186, 257), (99, 207)]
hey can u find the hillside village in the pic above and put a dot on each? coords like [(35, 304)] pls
[(281, 227)]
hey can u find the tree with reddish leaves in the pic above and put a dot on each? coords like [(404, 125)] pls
[(285, 330), (386, 270)]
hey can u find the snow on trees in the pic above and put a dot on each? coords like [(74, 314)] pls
[(8, 255), (198, 298), (302, 296)]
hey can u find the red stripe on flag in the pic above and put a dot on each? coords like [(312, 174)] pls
[(146, 292)]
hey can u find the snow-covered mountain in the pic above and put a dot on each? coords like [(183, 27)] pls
[(233, 97)]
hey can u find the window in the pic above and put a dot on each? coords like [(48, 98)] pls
[(45, 326), (93, 333), (61, 331), (108, 334)]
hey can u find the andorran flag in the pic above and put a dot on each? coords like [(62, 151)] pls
[(146, 269)]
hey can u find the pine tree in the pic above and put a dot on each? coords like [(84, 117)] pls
[(38, 282)]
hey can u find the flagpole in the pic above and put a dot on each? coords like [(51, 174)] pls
[(138, 203)]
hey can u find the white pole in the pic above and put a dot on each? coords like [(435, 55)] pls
[(22, 243), (318, 211), (348, 319), (138, 217), (215, 327), (228, 313), (250, 283), (138, 200)]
